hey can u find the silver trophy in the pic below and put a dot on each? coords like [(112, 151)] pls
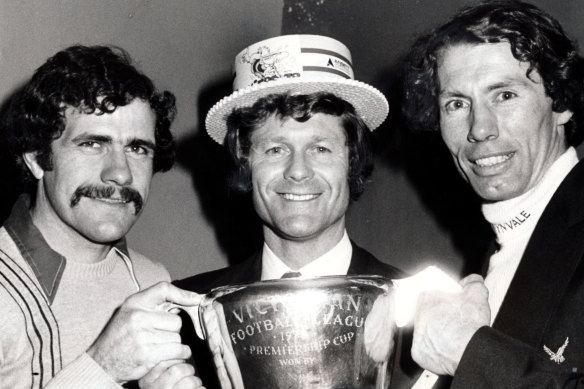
[(325, 332), (320, 333)]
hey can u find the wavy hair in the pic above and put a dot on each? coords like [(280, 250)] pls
[(95, 79), (535, 38), (243, 121)]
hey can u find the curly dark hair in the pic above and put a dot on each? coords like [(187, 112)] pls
[(243, 121), (95, 79), (535, 38)]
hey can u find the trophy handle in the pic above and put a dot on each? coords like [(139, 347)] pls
[(193, 313), (227, 367)]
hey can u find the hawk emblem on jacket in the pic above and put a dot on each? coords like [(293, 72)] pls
[(558, 356)]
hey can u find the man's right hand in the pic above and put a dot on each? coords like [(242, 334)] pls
[(142, 333), (171, 375)]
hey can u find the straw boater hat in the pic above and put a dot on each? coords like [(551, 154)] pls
[(300, 64)]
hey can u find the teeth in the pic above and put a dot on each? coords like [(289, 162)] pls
[(110, 200), (490, 161), (295, 197)]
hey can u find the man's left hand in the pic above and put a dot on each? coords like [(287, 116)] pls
[(445, 323)]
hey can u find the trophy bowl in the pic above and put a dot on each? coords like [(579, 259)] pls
[(324, 332)]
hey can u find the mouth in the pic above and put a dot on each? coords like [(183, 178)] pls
[(492, 160), (298, 197), (108, 195), (111, 200)]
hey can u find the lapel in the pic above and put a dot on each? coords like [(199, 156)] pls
[(363, 262), (552, 254), (244, 272), (360, 262), (248, 271)]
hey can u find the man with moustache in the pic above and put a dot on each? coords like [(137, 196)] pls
[(301, 145), (504, 85), (87, 133)]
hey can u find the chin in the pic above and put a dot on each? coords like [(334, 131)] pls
[(297, 226), (299, 234), (107, 234), (494, 194)]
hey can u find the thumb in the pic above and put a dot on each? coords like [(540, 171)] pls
[(165, 292), (184, 297), (470, 279)]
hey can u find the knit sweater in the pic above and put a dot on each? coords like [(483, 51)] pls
[(513, 222), (40, 339)]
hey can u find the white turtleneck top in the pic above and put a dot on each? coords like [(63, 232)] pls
[(513, 221)]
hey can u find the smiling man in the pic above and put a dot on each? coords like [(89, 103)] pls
[(301, 145), (300, 172), (80, 309), (505, 87)]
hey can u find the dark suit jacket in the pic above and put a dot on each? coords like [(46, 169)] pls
[(544, 306), (362, 262)]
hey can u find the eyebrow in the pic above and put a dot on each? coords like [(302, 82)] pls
[(143, 143), (92, 137), (506, 84), (493, 87), (444, 93), (284, 139), (109, 140)]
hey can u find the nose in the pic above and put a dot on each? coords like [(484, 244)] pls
[(299, 168), (483, 125), (117, 169)]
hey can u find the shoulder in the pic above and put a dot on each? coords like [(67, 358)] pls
[(241, 273), (147, 270), (363, 262), (203, 282), (566, 207), (571, 186), (16, 272), (7, 244), (25, 313)]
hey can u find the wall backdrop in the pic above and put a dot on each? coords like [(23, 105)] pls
[(415, 209)]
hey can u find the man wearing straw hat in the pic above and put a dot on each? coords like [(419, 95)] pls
[(298, 129)]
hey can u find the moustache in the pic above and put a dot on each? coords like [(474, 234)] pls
[(106, 192)]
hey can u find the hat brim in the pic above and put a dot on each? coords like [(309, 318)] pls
[(369, 103)]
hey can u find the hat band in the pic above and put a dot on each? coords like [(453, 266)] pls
[(299, 57), (326, 70), (326, 52)]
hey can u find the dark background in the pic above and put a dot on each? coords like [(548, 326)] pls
[(415, 209)]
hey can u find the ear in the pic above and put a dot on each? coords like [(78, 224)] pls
[(30, 159), (564, 117), (238, 152)]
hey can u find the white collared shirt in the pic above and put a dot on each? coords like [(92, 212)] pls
[(334, 262)]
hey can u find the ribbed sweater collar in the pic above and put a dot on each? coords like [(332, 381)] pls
[(93, 271), (516, 217)]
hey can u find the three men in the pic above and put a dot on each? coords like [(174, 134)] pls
[(87, 132), (300, 143), (504, 85)]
